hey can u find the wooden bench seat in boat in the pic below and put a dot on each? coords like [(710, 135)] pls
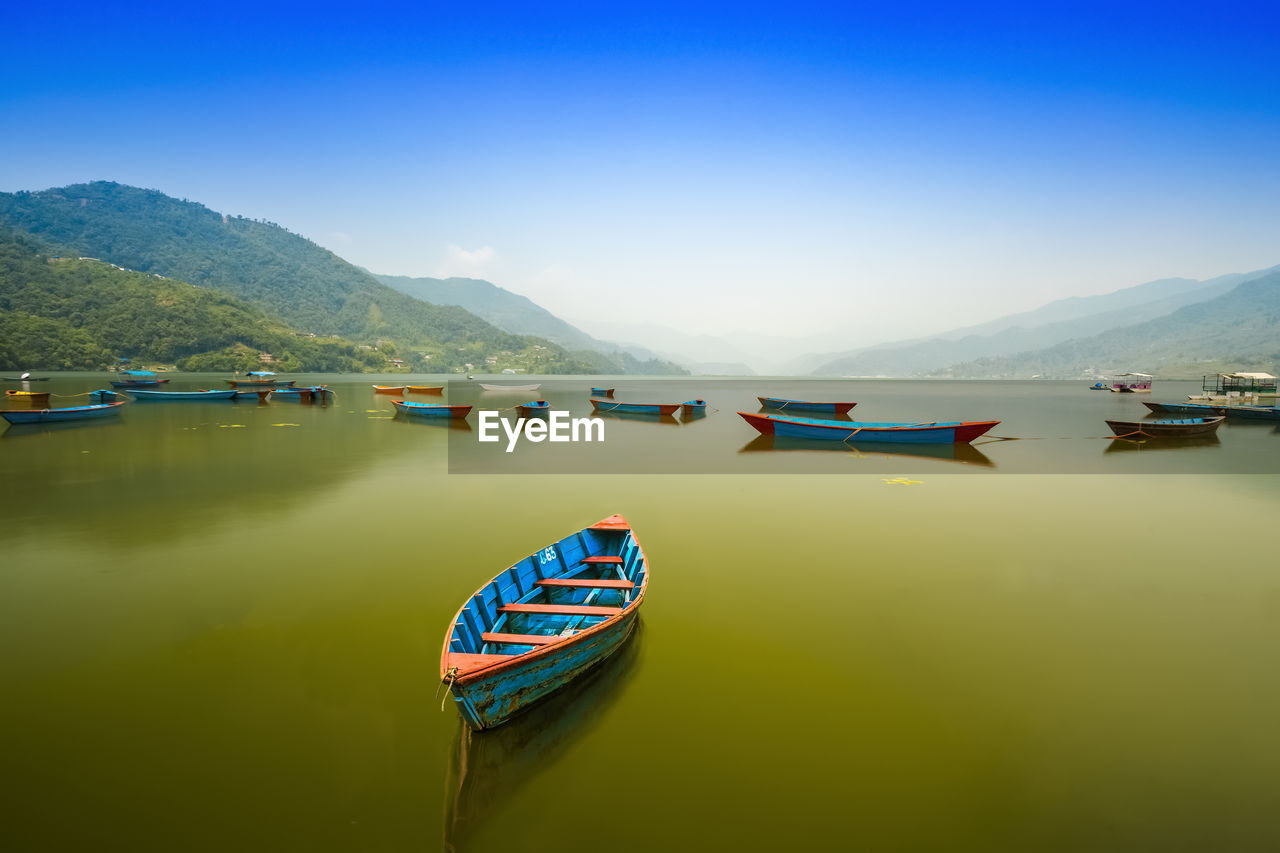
[(520, 639), (600, 561), (586, 583), (560, 609)]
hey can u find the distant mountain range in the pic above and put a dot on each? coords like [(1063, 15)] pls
[(1057, 322)]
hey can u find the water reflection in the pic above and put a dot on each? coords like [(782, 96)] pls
[(488, 768), (966, 454), (455, 424), (1127, 445), (28, 430), (640, 417)]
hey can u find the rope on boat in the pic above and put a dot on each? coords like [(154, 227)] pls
[(850, 435), (450, 676)]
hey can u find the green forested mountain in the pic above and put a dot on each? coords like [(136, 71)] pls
[(281, 273), (64, 313), (1239, 330)]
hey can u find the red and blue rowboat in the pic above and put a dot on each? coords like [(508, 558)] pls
[(71, 413), (634, 408), (1265, 413), (543, 622), (951, 432), (693, 407), (805, 405), (429, 410), (601, 392)]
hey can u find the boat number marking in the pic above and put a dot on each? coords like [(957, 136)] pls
[(547, 555)]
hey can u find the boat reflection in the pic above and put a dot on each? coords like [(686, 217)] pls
[(455, 424), (1129, 445), (801, 413), (639, 417), (487, 768), (965, 454), (22, 430)]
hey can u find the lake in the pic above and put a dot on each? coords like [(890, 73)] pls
[(222, 625)]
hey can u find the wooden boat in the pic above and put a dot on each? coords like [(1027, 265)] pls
[(535, 407), (1264, 413), (304, 395), (634, 408), (138, 379), (26, 378), (72, 413), (38, 399), (601, 392), (430, 410), (934, 432), (693, 407), (425, 389), (1168, 427), (259, 394), (543, 622), (805, 405), (388, 389), (510, 387), (176, 396)]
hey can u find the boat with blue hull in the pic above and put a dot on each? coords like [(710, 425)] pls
[(543, 622), (601, 392), (1166, 427), (430, 410), (1262, 413), (138, 379), (693, 407), (933, 432), (320, 393), (534, 408), (71, 413), (634, 408), (180, 396), (805, 405)]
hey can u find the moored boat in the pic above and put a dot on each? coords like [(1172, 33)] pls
[(1264, 413), (425, 389), (693, 407), (534, 407), (71, 413), (1132, 383), (138, 379), (933, 432), (388, 389), (430, 410), (35, 399), (634, 408), (602, 392), (314, 393), (544, 621), (1167, 427), (510, 387), (805, 405), (180, 396)]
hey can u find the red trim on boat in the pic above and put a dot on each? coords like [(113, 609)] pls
[(763, 424)]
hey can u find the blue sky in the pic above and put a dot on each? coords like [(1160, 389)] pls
[(887, 169)]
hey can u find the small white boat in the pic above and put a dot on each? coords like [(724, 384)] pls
[(510, 387)]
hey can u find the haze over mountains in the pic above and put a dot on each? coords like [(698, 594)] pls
[(278, 288)]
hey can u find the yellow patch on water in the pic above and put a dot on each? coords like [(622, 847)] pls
[(230, 426), (286, 424), (902, 481)]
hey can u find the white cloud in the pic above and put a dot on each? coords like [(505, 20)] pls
[(461, 262)]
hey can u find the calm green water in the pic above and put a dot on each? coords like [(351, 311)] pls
[(222, 627)]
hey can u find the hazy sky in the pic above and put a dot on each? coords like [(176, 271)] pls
[(891, 166)]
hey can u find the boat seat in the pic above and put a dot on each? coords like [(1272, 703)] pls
[(585, 583), (600, 561), (519, 639), (561, 609)]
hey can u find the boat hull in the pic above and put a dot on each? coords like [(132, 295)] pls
[(179, 396), (601, 392), (74, 413), (510, 387), (954, 432), (635, 408), (490, 700), (805, 405), (427, 410), (1263, 413), (425, 389), (1167, 429)]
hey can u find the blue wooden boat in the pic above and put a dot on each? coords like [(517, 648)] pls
[(259, 394), (601, 392), (950, 432), (1264, 413), (430, 410), (533, 408), (177, 396), (1167, 427), (138, 379), (634, 408), (805, 405), (303, 395), (71, 413), (693, 407), (543, 622)]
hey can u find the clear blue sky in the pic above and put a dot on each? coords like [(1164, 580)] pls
[(890, 168)]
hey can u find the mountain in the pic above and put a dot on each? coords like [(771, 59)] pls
[(1239, 330), (1059, 321), (278, 272), (67, 313)]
